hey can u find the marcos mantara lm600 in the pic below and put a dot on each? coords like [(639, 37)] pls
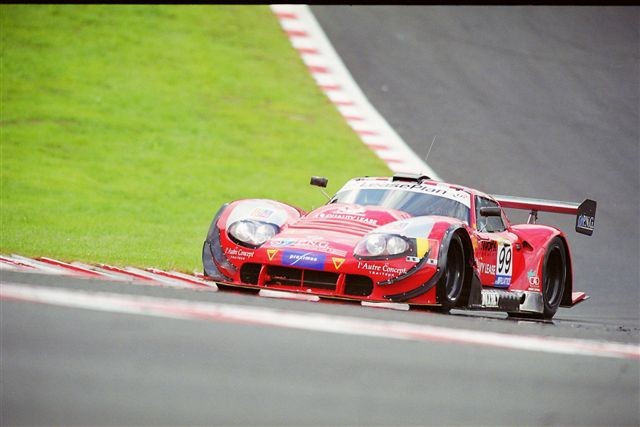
[(403, 239)]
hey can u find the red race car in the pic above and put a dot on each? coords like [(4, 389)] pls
[(403, 239)]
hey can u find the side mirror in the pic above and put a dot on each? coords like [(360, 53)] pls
[(319, 181), (490, 211)]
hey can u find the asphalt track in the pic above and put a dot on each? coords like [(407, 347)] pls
[(525, 101), (537, 102)]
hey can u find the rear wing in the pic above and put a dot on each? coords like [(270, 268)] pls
[(585, 212)]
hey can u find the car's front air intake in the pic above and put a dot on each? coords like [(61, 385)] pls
[(354, 285)]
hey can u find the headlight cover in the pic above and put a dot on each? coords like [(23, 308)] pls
[(252, 234), (382, 246)]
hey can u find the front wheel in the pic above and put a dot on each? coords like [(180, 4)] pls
[(554, 276), (450, 286)]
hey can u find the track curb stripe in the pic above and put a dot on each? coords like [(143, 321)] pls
[(182, 277), (189, 310), (335, 80), (71, 267), (150, 276)]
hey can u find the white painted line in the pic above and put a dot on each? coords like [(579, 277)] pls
[(327, 80), (181, 309), (387, 305), (290, 24), (314, 60), (269, 293), (304, 45), (349, 110), (363, 128), (339, 97), (307, 36)]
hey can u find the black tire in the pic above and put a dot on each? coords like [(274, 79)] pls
[(554, 276), (450, 287)]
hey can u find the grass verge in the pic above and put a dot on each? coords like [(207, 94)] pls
[(123, 128)]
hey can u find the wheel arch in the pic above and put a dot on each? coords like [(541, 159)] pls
[(467, 246), (566, 300)]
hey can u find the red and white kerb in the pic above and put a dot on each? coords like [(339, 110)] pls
[(336, 82)]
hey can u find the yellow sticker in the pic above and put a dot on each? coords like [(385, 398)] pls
[(422, 246), (337, 262), (271, 253)]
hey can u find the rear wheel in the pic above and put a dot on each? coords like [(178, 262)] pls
[(450, 286), (554, 276)]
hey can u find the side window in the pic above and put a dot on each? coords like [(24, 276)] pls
[(488, 224)]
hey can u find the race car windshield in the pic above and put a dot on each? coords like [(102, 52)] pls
[(413, 203)]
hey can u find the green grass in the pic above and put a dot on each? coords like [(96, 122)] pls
[(124, 128)]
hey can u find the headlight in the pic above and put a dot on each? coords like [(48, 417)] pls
[(396, 245), (375, 245), (252, 233), (382, 245)]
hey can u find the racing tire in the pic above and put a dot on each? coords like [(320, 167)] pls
[(554, 277), (450, 287)]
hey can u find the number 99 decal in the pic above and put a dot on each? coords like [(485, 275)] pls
[(504, 265)]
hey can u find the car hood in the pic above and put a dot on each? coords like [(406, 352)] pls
[(334, 228)]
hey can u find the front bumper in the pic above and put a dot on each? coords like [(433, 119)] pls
[(345, 282)]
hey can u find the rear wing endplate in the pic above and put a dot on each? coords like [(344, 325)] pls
[(585, 212)]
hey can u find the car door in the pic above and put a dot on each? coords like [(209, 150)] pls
[(495, 257)]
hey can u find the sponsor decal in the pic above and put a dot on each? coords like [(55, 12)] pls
[(303, 259), (587, 222), (429, 261), (504, 265), (499, 255), (238, 254), (422, 246), (502, 281), (271, 253), (337, 262), (384, 270), (315, 243), (490, 299), (488, 246), (351, 210), (534, 280), (348, 217), (487, 268), (279, 243)]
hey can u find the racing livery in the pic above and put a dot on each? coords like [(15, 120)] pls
[(405, 239)]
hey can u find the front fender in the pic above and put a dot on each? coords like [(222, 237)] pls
[(216, 259), (440, 230), (265, 210)]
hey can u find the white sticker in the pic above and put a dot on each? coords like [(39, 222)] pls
[(504, 264)]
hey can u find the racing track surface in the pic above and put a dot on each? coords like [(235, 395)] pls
[(525, 101), (544, 87)]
